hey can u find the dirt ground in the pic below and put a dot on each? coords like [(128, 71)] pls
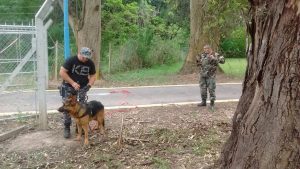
[(158, 137)]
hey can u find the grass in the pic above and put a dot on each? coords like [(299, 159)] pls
[(161, 163), (207, 143), (155, 74), (234, 67)]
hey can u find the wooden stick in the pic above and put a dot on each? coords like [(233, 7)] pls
[(120, 139), (130, 138), (136, 139)]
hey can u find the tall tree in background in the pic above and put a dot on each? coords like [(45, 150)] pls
[(266, 124), (197, 40), (85, 21), (206, 22), (209, 21)]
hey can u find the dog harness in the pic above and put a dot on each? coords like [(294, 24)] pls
[(83, 111)]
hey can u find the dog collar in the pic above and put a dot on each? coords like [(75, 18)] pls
[(79, 110)]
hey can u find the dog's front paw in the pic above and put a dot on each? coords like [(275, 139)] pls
[(78, 138), (102, 131), (86, 142)]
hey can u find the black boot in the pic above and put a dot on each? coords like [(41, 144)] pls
[(67, 133), (212, 103), (203, 103)]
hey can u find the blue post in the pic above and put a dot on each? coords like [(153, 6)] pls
[(66, 30)]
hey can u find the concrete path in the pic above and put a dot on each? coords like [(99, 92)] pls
[(121, 97)]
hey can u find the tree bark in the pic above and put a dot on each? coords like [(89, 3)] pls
[(266, 124), (196, 38)]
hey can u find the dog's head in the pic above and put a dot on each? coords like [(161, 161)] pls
[(68, 104)]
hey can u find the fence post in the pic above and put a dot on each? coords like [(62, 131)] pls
[(46, 26), (109, 58), (41, 54), (55, 64)]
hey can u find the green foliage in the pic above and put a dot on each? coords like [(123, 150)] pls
[(163, 52), (119, 21), (145, 52), (18, 11), (173, 11), (161, 163), (227, 15), (144, 33), (234, 45), (139, 36), (56, 32), (206, 143), (154, 75)]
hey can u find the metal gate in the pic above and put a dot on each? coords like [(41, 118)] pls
[(18, 63)]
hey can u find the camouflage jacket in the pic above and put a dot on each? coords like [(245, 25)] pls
[(208, 63)]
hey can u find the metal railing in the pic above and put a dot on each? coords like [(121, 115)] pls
[(17, 57)]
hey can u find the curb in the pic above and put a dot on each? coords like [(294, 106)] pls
[(34, 113), (11, 133), (131, 87)]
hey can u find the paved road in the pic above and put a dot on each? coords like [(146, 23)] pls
[(111, 97)]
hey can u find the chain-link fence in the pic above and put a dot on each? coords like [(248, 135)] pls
[(55, 61), (17, 57), (16, 42)]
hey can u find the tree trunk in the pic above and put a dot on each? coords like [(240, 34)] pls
[(89, 28), (198, 36), (86, 25), (266, 124)]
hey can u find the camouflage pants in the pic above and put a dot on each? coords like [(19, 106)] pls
[(66, 116), (210, 84)]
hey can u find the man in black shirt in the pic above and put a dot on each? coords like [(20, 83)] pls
[(77, 72)]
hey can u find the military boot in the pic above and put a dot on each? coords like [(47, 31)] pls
[(212, 103), (203, 103), (67, 133)]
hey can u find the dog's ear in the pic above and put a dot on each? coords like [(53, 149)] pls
[(72, 99)]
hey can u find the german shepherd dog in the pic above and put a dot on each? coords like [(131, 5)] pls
[(83, 114)]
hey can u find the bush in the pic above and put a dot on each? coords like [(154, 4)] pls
[(145, 53), (234, 46), (163, 52)]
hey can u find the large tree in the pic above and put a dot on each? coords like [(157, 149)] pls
[(266, 124), (209, 21), (197, 38), (85, 21)]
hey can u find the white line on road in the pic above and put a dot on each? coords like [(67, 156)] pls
[(98, 94), (122, 107), (137, 87), (130, 87)]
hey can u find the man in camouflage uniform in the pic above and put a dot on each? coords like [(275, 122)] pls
[(208, 63)]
